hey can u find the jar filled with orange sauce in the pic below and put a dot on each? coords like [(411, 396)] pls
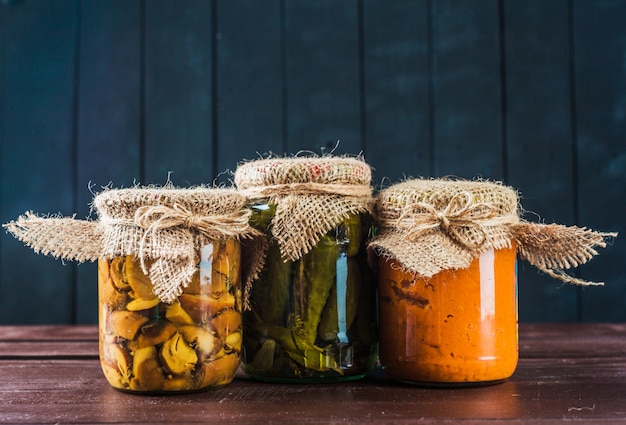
[(457, 327), (447, 282)]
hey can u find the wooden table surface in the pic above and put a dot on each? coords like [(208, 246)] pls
[(573, 372)]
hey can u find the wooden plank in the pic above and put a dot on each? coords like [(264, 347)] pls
[(541, 392), (109, 119), (249, 82), (467, 89), (30, 350), (38, 61), (396, 65), (600, 42), (48, 332), (539, 138), (572, 340), (178, 92), (322, 76), (4, 17)]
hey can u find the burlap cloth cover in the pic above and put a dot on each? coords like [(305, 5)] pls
[(427, 226), (162, 226), (312, 195)]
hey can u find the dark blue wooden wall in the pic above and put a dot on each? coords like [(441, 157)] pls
[(531, 92)]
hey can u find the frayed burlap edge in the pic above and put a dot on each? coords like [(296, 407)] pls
[(165, 225), (312, 196), (432, 225)]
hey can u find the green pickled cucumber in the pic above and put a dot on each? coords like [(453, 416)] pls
[(329, 323), (271, 293), (300, 350), (264, 357), (320, 273), (353, 231)]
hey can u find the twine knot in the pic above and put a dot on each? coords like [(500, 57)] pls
[(461, 220), (157, 218), (214, 226)]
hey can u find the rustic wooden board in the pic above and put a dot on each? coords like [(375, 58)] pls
[(396, 79), (600, 86), (251, 113), (467, 96), (581, 381), (539, 139), (48, 333), (322, 76), (38, 146), (179, 102), (540, 392), (109, 118)]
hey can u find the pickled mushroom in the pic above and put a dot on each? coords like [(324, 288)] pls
[(142, 304), (176, 314), (220, 371), (151, 346), (147, 375), (179, 383), (200, 338), (198, 306), (118, 358), (118, 274), (227, 321), (177, 355), (154, 334), (126, 323), (139, 283), (233, 342)]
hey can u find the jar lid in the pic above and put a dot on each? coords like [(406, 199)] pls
[(312, 195), (123, 203), (440, 224), (429, 225), (440, 193), (295, 170), (165, 225)]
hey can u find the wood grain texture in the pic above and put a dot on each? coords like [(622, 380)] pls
[(539, 139), (249, 82), (322, 76), (108, 119), (530, 92), (566, 373), (467, 107), (397, 76), (600, 84), (178, 92), (38, 148)]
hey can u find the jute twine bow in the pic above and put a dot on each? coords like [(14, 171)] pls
[(164, 225), (312, 195), (278, 191), (426, 226), (154, 219), (461, 220)]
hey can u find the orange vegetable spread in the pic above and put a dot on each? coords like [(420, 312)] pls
[(459, 326)]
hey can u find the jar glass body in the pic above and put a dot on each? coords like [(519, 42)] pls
[(459, 327), (314, 319), (191, 344)]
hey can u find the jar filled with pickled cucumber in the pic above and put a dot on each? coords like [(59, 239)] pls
[(311, 311), (447, 278), (169, 282)]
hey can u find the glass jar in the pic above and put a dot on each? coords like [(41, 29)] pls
[(458, 327), (313, 319), (193, 343)]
